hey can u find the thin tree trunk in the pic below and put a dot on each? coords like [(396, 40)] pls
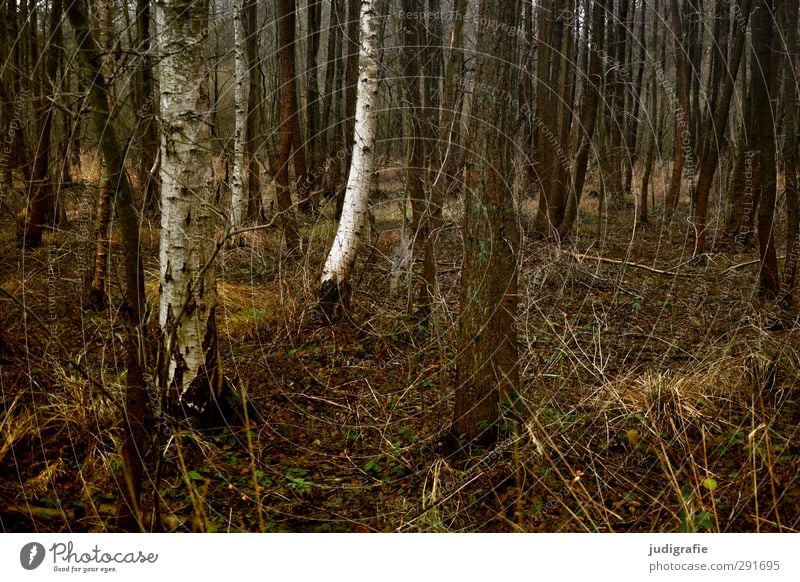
[(791, 160), (487, 370), (763, 89), (335, 291), (715, 123), (448, 145), (331, 107), (240, 86), (97, 291), (146, 109), (588, 121), (682, 130), (632, 127), (43, 200), (617, 46), (412, 74), (313, 150), (135, 444), (253, 130), (288, 94)]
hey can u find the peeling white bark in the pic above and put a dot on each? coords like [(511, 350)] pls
[(238, 200), (188, 282), (353, 224)]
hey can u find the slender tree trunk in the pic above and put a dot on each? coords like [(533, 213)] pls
[(332, 105), (715, 122), (487, 371), (19, 95), (190, 370), (448, 151), (763, 89), (253, 131), (632, 126), (682, 129), (43, 200), (240, 86), (588, 120), (544, 124), (135, 444), (313, 150), (288, 94), (791, 159), (97, 291), (334, 291), (617, 47), (146, 109)]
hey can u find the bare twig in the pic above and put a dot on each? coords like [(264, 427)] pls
[(581, 257)]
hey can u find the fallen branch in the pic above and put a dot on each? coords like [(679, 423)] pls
[(581, 256), (746, 264)]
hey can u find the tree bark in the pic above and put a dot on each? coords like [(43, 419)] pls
[(253, 139), (790, 155), (715, 122), (240, 107), (682, 129), (487, 371), (334, 291), (97, 291), (313, 149), (189, 371), (588, 121), (763, 89), (43, 201), (135, 444), (288, 94), (145, 110)]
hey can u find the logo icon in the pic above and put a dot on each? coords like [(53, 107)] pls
[(31, 555)]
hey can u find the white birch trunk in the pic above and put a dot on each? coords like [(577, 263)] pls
[(188, 278), (353, 223), (238, 200)]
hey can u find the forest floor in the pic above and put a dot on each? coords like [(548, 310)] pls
[(651, 401)]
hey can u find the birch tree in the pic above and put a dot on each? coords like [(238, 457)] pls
[(334, 291), (238, 200), (189, 368)]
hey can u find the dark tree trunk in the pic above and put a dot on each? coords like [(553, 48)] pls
[(763, 89), (43, 200), (285, 22), (487, 371), (593, 87), (253, 130), (145, 111), (715, 121), (682, 130), (135, 447), (448, 151), (313, 150), (97, 290), (351, 80), (790, 154)]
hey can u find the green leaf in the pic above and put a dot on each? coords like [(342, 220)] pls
[(194, 475), (299, 483), (710, 483), (372, 466)]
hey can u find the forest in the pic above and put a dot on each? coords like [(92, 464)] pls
[(399, 266)]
